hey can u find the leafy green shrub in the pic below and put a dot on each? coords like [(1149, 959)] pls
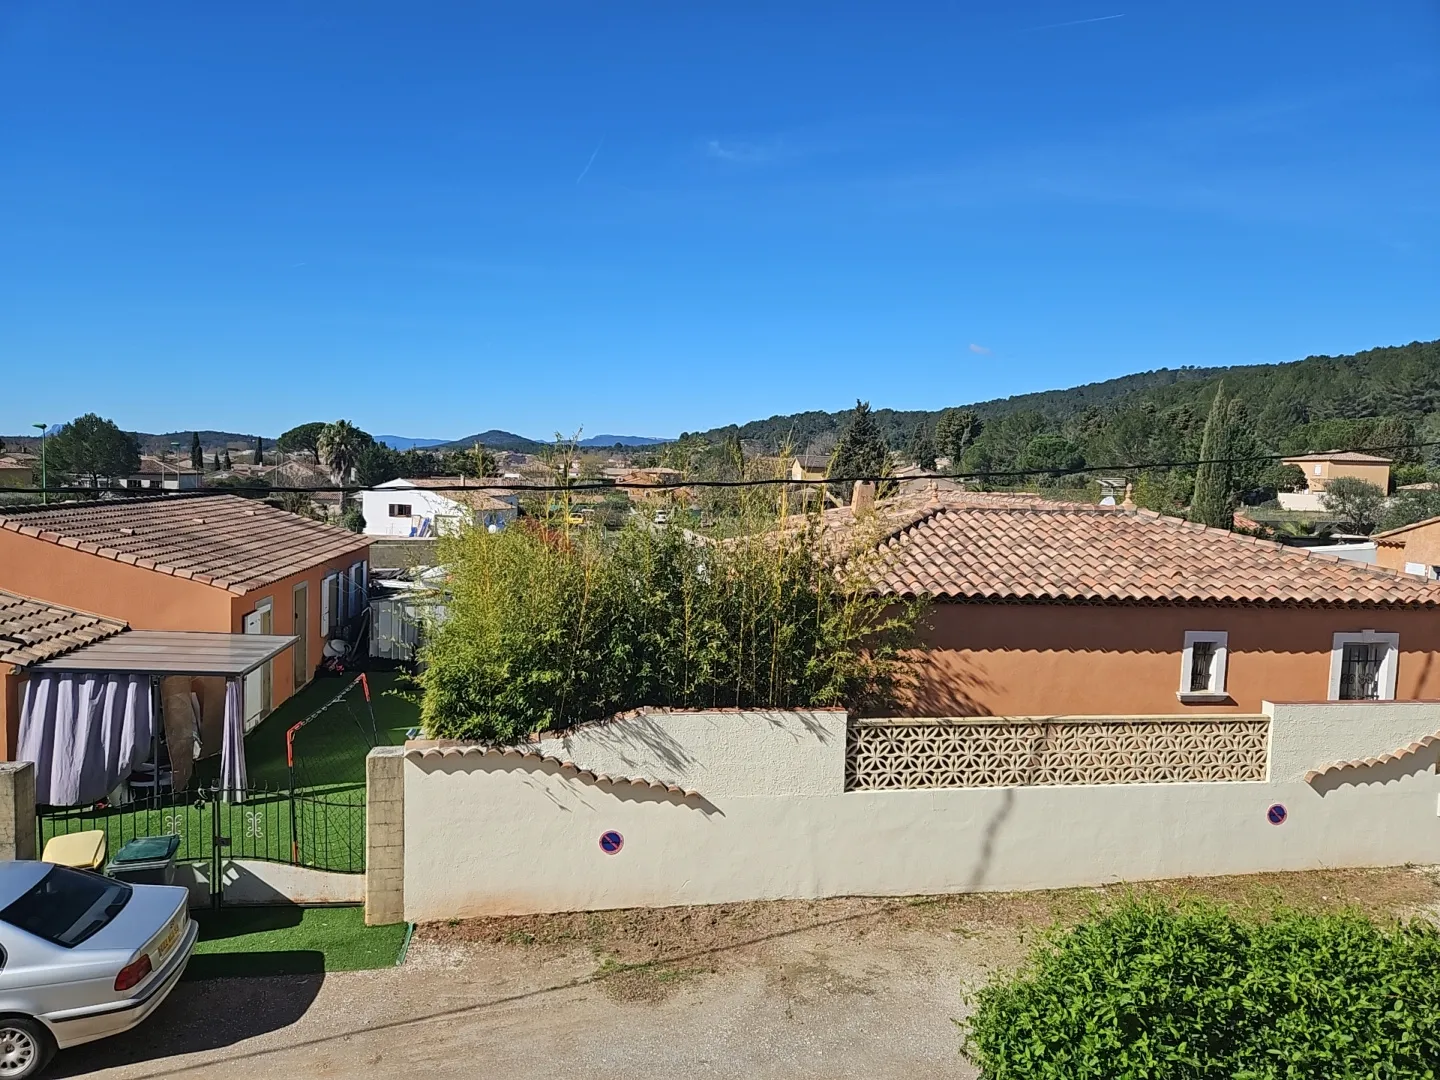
[(1193, 993), (550, 627)]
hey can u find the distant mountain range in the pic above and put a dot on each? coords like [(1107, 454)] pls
[(622, 440), (404, 442), (508, 440), (216, 440)]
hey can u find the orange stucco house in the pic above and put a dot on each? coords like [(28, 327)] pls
[(1415, 549), (216, 563), (1042, 609), (1320, 469)]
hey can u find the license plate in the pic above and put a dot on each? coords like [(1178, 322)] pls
[(167, 942)]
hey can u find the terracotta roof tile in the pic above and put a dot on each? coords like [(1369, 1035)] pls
[(1075, 552), (33, 630), (237, 544)]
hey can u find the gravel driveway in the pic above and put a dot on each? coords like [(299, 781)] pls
[(843, 988)]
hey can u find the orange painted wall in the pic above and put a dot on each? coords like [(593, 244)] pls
[(1419, 545), (1050, 659), (1379, 475), (146, 599), (282, 594)]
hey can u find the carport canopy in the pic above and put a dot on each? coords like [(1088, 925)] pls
[(172, 652), (88, 715)]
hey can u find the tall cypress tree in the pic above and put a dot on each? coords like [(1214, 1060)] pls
[(197, 455), (922, 447), (1210, 504), (259, 450), (215, 463), (862, 450)]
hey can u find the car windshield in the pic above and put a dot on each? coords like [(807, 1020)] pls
[(67, 906)]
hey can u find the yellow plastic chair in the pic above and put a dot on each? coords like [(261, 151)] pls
[(82, 850)]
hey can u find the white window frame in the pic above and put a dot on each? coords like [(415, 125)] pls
[(325, 604), (1218, 667), (1389, 667)]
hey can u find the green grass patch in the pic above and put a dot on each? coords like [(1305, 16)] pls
[(268, 941), (1152, 991)]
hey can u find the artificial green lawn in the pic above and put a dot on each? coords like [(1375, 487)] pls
[(330, 750), (267, 941)]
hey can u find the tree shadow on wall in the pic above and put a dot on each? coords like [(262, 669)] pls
[(956, 688)]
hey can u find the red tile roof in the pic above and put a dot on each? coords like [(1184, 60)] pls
[(33, 630), (221, 540), (1062, 552)]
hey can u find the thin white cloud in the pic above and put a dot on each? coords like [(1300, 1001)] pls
[(593, 155), (748, 153), (980, 350), (1072, 22)]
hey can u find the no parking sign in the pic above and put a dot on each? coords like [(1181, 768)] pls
[(611, 842)]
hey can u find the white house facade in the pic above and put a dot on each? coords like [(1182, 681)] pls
[(432, 506)]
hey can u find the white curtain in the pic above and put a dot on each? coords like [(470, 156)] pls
[(84, 734), (232, 745)]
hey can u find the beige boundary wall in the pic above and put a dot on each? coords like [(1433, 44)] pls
[(730, 806)]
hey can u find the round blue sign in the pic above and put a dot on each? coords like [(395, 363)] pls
[(1276, 815), (611, 842)]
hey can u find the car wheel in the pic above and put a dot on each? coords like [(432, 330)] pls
[(25, 1047)]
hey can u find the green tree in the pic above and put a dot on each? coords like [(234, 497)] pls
[(1210, 504), (1357, 504), (197, 454), (1408, 507), (339, 446), (259, 450), (304, 439), (861, 451), (955, 432), (215, 462), (1056, 455), (227, 465), (922, 448), (375, 464), (92, 446)]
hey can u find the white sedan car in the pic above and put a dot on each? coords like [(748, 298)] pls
[(81, 957)]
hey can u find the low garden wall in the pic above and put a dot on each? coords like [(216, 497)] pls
[(664, 808)]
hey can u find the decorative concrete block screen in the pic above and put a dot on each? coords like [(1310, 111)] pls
[(964, 753)]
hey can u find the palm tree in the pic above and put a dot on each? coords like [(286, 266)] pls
[(340, 445)]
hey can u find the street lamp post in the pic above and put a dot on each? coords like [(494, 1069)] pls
[(44, 495)]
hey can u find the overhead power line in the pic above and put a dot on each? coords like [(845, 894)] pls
[(495, 483)]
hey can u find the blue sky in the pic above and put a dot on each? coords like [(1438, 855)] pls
[(435, 219)]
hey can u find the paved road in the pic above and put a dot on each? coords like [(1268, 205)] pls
[(811, 1005)]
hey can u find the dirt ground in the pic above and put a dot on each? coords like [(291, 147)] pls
[(837, 988)]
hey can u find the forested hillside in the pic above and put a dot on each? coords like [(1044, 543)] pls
[(1379, 397)]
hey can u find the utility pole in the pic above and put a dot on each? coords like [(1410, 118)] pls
[(44, 495)]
